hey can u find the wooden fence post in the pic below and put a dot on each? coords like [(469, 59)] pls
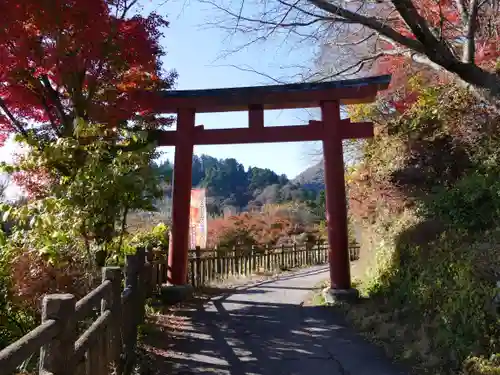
[(148, 272), (282, 260), (252, 260), (308, 248), (129, 323), (142, 285), (295, 255), (198, 266), (114, 274), (56, 356), (237, 261), (268, 259)]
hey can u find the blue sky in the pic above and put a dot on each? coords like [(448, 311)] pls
[(194, 50)]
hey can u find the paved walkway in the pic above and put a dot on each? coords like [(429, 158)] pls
[(265, 330)]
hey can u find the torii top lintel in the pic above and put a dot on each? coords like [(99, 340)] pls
[(257, 99), (299, 95)]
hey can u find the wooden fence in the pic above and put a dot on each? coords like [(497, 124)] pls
[(215, 265), (96, 335)]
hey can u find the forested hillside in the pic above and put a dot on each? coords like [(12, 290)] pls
[(229, 184), (313, 178)]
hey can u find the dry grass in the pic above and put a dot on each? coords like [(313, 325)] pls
[(381, 328), (416, 338), (143, 221), (407, 341)]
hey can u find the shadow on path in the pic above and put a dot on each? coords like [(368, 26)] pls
[(264, 330)]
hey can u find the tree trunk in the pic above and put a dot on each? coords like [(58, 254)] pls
[(487, 84)]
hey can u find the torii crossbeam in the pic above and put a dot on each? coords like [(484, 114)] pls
[(331, 130)]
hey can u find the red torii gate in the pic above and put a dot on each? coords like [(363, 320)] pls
[(331, 130)]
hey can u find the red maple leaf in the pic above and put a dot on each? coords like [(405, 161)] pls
[(63, 59)]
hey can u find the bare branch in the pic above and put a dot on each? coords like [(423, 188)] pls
[(251, 70), (351, 70), (371, 22), (470, 44), (271, 23), (357, 42), (424, 60), (304, 11), (358, 66), (439, 46), (124, 6)]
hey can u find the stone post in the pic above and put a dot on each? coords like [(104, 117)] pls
[(56, 356)]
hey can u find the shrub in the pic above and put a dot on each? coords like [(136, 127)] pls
[(426, 193), (33, 277), (276, 224), (472, 204)]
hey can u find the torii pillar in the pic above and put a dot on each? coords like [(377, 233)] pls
[(335, 194), (181, 196), (331, 130)]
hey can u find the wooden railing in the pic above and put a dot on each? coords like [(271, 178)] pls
[(96, 335), (215, 265)]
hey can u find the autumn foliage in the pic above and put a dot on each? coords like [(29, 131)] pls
[(63, 59), (445, 17), (445, 20), (276, 225), (79, 80), (35, 278), (425, 194)]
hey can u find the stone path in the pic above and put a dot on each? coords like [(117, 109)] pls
[(264, 330)]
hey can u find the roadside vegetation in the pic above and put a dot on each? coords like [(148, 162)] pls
[(425, 196), (71, 78)]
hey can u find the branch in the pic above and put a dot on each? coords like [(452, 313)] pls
[(19, 127), (370, 22), (350, 70), (17, 124), (462, 9), (251, 70), (424, 60), (271, 23), (301, 10), (470, 44), (54, 96), (49, 114), (417, 24), (356, 43), (126, 7), (92, 86), (358, 66)]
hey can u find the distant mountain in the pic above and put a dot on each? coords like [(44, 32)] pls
[(313, 178), (230, 185)]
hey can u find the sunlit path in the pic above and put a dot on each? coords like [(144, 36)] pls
[(265, 330)]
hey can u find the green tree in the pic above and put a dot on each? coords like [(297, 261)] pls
[(88, 207)]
